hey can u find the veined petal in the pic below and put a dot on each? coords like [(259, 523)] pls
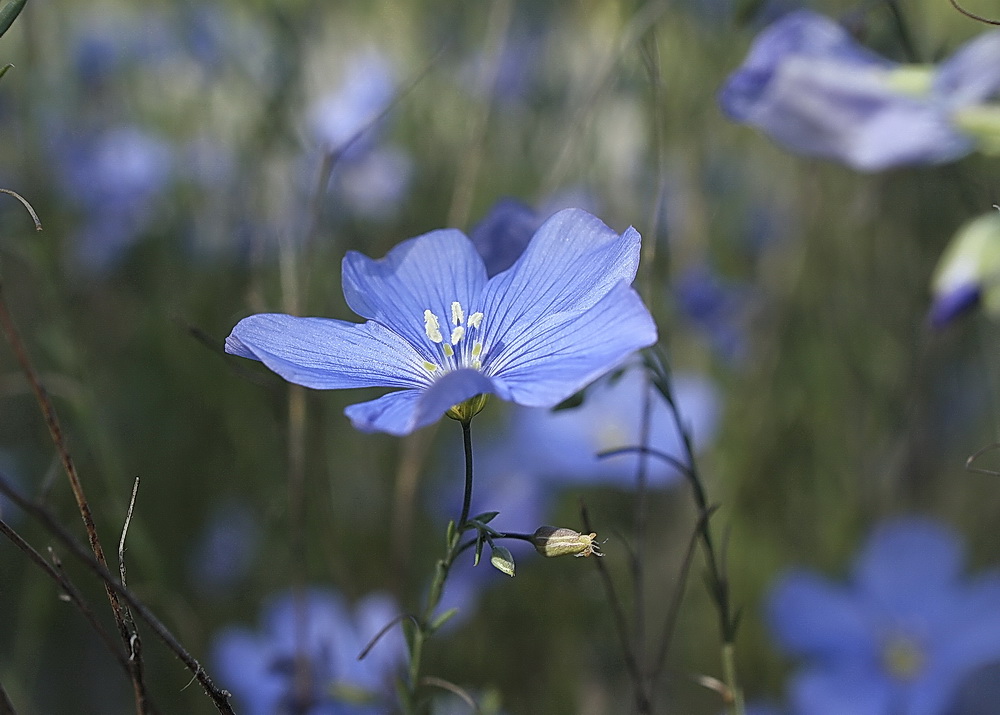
[(428, 272), (561, 353), (400, 413), (571, 263), (328, 354)]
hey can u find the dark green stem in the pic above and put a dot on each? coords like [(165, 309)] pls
[(424, 627)]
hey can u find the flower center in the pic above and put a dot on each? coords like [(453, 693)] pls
[(461, 349), (902, 657)]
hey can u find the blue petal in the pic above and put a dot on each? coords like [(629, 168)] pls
[(502, 235), (328, 354), (801, 34), (952, 304), (810, 616), (428, 272), (572, 262), (972, 74), (561, 353), (400, 413), (909, 565), (847, 691)]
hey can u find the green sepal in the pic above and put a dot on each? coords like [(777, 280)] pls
[(442, 619), (449, 534), (3, 70), (9, 13), (485, 518), (502, 559), (479, 548)]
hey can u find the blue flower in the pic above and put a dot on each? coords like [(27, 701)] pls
[(967, 272), (367, 89), (812, 89), (438, 327), (305, 658), (900, 638), (503, 233), (560, 448)]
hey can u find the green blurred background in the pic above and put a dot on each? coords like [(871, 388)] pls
[(840, 405)]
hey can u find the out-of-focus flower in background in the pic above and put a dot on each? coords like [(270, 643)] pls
[(563, 315), (716, 308), (968, 272), (809, 86), (116, 178), (900, 638), (344, 119), (559, 448), (226, 550), (305, 657)]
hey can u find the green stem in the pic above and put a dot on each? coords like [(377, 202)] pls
[(737, 705), (422, 631)]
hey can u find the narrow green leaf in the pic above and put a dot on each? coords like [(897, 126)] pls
[(9, 13)]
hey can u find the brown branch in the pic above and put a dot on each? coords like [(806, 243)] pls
[(72, 592), (9, 329), (219, 697), (972, 15)]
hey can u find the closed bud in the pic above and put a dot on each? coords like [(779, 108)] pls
[(560, 541)]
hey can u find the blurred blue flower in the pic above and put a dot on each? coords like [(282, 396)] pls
[(563, 315), (115, 177), (900, 638), (968, 271), (559, 448), (811, 88), (502, 234), (344, 114), (226, 550), (375, 186), (304, 660), (717, 308)]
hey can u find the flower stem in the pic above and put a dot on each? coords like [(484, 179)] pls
[(422, 629), (737, 706)]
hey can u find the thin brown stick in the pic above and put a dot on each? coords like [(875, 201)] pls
[(621, 623), (219, 697), (972, 15), (71, 591), (10, 331), (134, 641)]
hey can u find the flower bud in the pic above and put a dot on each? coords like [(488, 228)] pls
[(560, 541)]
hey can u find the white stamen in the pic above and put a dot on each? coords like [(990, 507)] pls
[(475, 319), (457, 334), (457, 314), (432, 327)]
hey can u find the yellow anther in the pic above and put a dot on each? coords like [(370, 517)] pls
[(457, 334), (475, 319), (446, 348)]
